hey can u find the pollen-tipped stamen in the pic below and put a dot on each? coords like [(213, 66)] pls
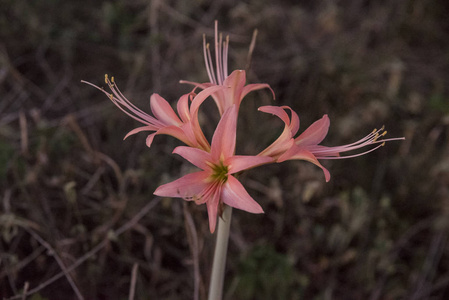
[(370, 139)]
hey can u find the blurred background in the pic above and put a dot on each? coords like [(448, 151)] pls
[(73, 192)]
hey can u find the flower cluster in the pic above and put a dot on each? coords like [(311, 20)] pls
[(215, 184)]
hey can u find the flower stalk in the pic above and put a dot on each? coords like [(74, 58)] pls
[(221, 248)]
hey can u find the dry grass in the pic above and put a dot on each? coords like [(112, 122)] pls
[(78, 219)]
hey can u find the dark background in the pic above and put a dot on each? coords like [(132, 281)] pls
[(377, 230)]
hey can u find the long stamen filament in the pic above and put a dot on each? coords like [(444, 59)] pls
[(218, 74), (322, 152), (208, 61)]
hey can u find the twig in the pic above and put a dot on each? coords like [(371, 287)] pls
[(97, 248), (132, 288), (251, 50), (24, 262), (58, 260), (23, 133), (430, 264), (155, 49), (25, 289), (61, 264)]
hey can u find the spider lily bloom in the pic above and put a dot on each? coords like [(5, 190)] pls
[(305, 146), (165, 121), (215, 185), (236, 81)]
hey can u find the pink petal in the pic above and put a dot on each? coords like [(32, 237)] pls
[(239, 163), (176, 132), (315, 133), (183, 108), (236, 81), (212, 208), (150, 139), (302, 154), (235, 195), (189, 187), (279, 146), (292, 123), (285, 140), (254, 87), (163, 111), (196, 156), (223, 140), (220, 100), (199, 99), (277, 111), (139, 129)]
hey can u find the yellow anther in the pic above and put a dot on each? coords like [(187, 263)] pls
[(383, 144), (112, 79), (384, 133), (106, 78), (111, 96), (374, 131), (383, 127)]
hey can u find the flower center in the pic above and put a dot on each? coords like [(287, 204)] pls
[(220, 172)]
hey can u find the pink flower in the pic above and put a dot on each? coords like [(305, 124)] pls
[(305, 146), (165, 121), (215, 185), (236, 81)]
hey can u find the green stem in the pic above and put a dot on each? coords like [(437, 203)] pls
[(221, 248)]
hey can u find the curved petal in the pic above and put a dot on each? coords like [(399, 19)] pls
[(189, 187), (199, 99), (150, 139), (235, 195), (279, 146), (198, 134), (196, 156), (197, 140), (279, 111), (219, 98), (163, 111), (239, 163), (315, 133), (254, 87), (139, 129), (223, 140), (285, 140), (183, 107), (302, 154)]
